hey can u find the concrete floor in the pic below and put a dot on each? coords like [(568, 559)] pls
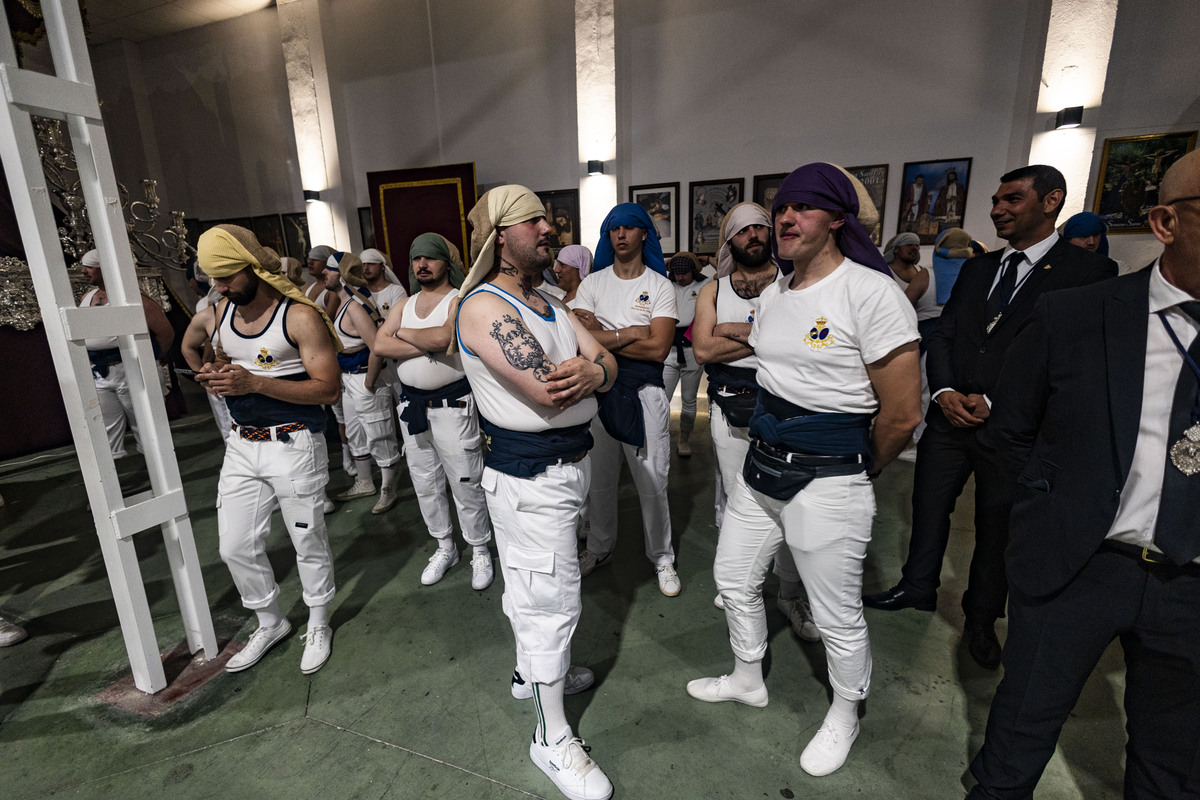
[(414, 702)]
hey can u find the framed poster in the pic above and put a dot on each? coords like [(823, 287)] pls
[(661, 201), (408, 202), (295, 235), (366, 227), (709, 202), (874, 179), (933, 196), (1130, 173), (562, 211), (268, 230), (765, 187)]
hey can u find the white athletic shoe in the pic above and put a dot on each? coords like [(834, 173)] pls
[(439, 564), (387, 499), (827, 751), (482, 573), (360, 488), (11, 633), (719, 602), (329, 506), (262, 640), (718, 690), (579, 679), (800, 615), (668, 580), (318, 644), (588, 561), (567, 763)]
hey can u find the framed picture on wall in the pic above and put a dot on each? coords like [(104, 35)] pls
[(295, 235), (268, 229), (661, 201), (366, 227), (709, 202), (874, 179), (1131, 170), (562, 211), (933, 197), (765, 187)]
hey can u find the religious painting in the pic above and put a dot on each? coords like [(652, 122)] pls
[(933, 197), (406, 203), (562, 212), (765, 187), (1131, 171), (366, 227), (661, 201), (269, 232), (874, 179), (295, 235), (709, 202)]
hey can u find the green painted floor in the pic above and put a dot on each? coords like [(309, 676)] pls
[(414, 702)]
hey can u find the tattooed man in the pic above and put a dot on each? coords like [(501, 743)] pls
[(533, 369)]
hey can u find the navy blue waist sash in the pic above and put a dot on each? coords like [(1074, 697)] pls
[(525, 455), (352, 362), (260, 411), (795, 428), (415, 415), (741, 392), (103, 359), (681, 342), (620, 409)]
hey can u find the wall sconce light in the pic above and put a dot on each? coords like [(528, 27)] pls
[(310, 196), (595, 168), (1069, 118)]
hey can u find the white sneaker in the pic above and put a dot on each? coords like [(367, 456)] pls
[(439, 564), (482, 573), (360, 488), (719, 602), (718, 690), (827, 751), (588, 561), (567, 763), (579, 679), (318, 644), (11, 633), (387, 499), (800, 615), (329, 506), (262, 640), (668, 580)]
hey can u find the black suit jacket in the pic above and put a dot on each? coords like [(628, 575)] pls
[(962, 355), (1065, 414)]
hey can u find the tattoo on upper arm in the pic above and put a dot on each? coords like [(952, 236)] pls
[(520, 347)]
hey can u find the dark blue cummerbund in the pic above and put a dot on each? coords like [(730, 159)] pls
[(260, 411), (415, 415), (735, 378), (783, 424), (103, 359), (351, 363), (620, 408), (524, 455)]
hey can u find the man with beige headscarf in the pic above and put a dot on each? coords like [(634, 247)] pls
[(275, 365), (534, 368)]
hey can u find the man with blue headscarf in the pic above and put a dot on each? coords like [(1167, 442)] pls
[(629, 306), (1087, 230)]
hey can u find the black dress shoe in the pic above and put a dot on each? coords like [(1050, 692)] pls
[(896, 598), (982, 643)]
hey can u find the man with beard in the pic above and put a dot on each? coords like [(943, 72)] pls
[(534, 369), (437, 411), (275, 366), (112, 385)]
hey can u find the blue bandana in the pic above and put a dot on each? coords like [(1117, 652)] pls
[(633, 215)]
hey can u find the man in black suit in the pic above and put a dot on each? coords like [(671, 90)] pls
[(1098, 414), (991, 302)]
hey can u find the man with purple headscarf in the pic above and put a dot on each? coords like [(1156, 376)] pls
[(813, 449)]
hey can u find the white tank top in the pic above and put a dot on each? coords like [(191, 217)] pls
[(499, 400), (102, 343), (350, 342), (433, 370), (926, 305), (271, 353), (732, 307)]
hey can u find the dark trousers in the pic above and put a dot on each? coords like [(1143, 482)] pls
[(1052, 647), (946, 457)]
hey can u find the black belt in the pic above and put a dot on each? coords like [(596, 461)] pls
[(580, 456), (1151, 559), (808, 459), (732, 390), (445, 403), (356, 370)]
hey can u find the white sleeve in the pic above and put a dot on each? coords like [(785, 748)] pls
[(663, 303), (887, 321), (583, 295)]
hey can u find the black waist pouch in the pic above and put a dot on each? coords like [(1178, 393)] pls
[(766, 470)]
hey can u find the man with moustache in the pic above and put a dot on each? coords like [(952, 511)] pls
[(438, 420)]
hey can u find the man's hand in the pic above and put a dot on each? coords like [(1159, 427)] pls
[(228, 379), (588, 319), (573, 380), (963, 411)]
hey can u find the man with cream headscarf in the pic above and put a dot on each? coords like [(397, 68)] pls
[(629, 306), (437, 410), (534, 369), (275, 366), (835, 406)]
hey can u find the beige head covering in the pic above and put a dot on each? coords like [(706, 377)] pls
[(350, 269), (293, 269), (373, 256), (739, 217), (225, 250)]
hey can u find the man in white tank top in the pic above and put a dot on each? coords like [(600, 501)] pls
[(437, 412), (112, 386), (275, 366), (534, 369)]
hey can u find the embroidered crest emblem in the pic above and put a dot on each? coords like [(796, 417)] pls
[(749, 318), (264, 359), (819, 336), (644, 297), (642, 303), (385, 307)]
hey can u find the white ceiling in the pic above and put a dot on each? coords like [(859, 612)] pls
[(139, 20)]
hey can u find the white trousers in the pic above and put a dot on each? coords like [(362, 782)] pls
[(827, 527), (450, 450), (648, 466), (535, 520), (116, 407), (294, 473), (369, 424), (691, 372)]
